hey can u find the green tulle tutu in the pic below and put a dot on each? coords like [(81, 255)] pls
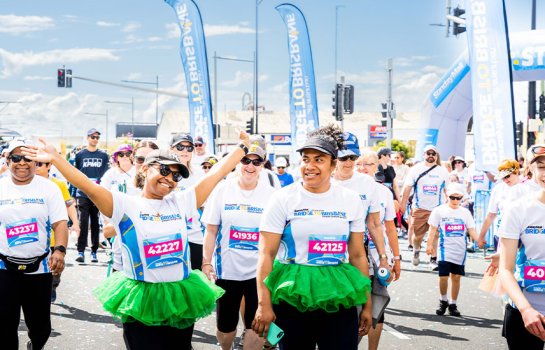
[(177, 304), (309, 288)]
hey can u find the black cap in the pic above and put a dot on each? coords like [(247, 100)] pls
[(166, 157), (384, 151), (92, 131), (319, 144), (177, 138)]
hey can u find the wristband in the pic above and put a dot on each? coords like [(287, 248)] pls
[(60, 248), (243, 147), (397, 257), (383, 256)]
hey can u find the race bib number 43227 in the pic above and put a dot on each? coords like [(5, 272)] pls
[(327, 249), (22, 232)]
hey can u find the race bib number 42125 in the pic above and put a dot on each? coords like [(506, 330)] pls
[(327, 249), (22, 232)]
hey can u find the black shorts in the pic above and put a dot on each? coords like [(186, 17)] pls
[(229, 304), (516, 334), (446, 268)]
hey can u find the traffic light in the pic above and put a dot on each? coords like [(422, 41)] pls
[(61, 78), (458, 28), (68, 78), (250, 126), (384, 113), (519, 130), (348, 99), (217, 129), (338, 102), (541, 106)]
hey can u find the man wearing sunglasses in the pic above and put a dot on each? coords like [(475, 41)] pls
[(450, 222), (285, 178), (200, 151), (30, 208), (428, 179), (93, 163)]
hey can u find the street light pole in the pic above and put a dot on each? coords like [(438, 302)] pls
[(256, 67), (336, 38)]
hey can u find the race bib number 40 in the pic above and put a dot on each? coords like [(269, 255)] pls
[(244, 238), (327, 249), (163, 251), (534, 276), (22, 232)]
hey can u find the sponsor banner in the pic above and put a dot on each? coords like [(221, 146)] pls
[(449, 81), (302, 87), (377, 132), (281, 139), (491, 83), (195, 63)]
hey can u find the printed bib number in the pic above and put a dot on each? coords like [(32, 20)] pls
[(534, 276), (478, 179), (456, 229), (22, 232), (327, 249), (163, 251), (244, 238), (430, 189)]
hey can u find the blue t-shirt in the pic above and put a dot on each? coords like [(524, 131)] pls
[(285, 179), (92, 164)]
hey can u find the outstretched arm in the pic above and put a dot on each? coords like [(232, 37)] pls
[(48, 154)]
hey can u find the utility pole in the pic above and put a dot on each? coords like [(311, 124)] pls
[(389, 121), (532, 90)]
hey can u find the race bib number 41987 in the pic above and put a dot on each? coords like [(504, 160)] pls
[(22, 232)]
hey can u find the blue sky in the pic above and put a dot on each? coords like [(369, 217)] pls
[(139, 40)]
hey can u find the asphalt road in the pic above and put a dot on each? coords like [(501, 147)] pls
[(80, 323)]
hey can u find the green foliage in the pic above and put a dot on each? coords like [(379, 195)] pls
[(398, 145)]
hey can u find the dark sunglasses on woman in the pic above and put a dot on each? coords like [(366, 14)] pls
[(181, 147), (255, 162), (164, 170), (124, 154), (17, 158)]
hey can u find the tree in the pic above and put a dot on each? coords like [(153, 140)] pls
[(397, 145)]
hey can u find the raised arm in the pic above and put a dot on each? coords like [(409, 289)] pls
[(48, 154)]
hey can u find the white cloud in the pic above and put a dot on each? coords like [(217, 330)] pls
[(240, 78), (173, 31), (16, 25), (14, 63), (37, 77), (131, 27), (107, 24)]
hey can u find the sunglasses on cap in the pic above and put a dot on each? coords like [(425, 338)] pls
[(17, 158), (124, 154), (255, 162), (455, 198), (431, 153), (139, 159), (165, 170), (94, 137), (346, 158), (181, 147)]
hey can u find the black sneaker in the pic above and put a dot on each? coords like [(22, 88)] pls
[(443, 305), (410, 247), (433, 264), (453, 310), (53, 296), (80, 258)]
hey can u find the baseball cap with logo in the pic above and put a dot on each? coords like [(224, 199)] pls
[(383, 151), (259, 142), (17, 142), (280, 162), (455, 188), (92, 131), (166, 157), (351, 145), (430, 148), (177, 138), (211, 160)]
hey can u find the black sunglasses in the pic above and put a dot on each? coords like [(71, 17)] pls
[(280, 167), (206, 167), (198, 145), (454, 198), (181, 147), (124, 154), (255, 162), (140, 159), (94, 137), (351, 157), (431, 154), (39, 164), (164, 170), (17, 158)]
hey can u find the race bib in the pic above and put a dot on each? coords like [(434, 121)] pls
[(327, 249), (163, 251), (456, 229), (478, 179), (430, 190), (534, 276), (244, 238), (22, 232)]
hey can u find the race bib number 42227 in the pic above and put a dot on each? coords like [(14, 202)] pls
[(163, 251)]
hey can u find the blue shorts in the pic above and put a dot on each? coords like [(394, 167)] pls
[(446, 268)]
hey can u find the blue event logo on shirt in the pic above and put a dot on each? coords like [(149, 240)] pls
[(22, 201), (320, 213), (159, 217), (534, 230), (243, 207)]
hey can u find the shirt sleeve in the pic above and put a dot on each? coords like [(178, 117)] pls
[(390, 212), (511, 224), (118, 207), (374, 200), (358, 222), (56, 207), (187, 200), (275, 215), (212, 211), (435, 217)]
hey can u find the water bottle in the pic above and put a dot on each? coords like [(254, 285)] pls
[(383, 275)]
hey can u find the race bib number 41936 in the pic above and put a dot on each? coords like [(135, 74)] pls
[(327, 249), (163, 251), (22, 232), (244, 238)]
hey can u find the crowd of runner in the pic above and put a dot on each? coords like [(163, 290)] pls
[(301, 250)]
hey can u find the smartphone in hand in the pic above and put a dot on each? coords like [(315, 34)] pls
[(275, 334)]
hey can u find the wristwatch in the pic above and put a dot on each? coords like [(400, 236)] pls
[(60, 248), (243, 147), (397, 257), (383, 256)]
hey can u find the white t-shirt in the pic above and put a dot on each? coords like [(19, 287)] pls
[(452, 225), (366, 187), (402, 171), (315, 227), (525, 221), (428, 193), (116, 180), (238, 214), (197, 160), (27, 213), (386, 213), (479, 181), (194, 220), (152, 236), (463, 176)]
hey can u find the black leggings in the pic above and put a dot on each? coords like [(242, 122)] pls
[(88, 212), (195, 253), (516, 334), (305, 330), (138, 336), (229, 304), (32, 294)]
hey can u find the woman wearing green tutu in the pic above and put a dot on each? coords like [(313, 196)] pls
[(315, 230), (155, 293)]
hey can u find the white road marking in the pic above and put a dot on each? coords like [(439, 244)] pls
[(395, 333)]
